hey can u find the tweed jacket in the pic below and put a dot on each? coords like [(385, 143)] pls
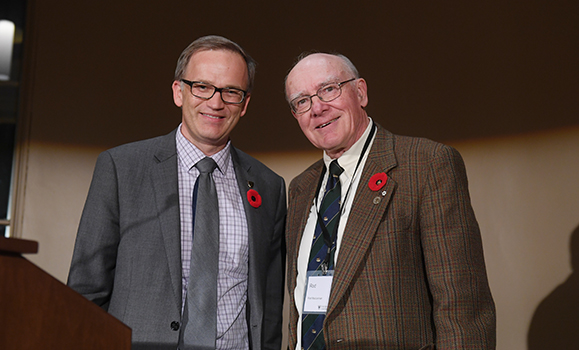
[(411, 272), (127, 257)]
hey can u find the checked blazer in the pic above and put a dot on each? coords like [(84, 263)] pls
[(411, 272)]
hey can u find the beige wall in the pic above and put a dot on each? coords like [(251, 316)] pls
[(525, 194), (524, 190)]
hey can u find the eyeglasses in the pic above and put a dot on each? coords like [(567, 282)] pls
[(206, 92), (326, 93)]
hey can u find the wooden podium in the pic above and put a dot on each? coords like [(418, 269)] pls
[(39, 312)]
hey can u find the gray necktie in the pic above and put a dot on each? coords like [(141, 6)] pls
[(200, 314)]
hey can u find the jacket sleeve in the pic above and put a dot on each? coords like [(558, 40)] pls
[(93, 263), (464, 312)]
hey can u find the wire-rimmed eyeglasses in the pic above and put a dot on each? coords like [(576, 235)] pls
[(206, 92), (326, 93)]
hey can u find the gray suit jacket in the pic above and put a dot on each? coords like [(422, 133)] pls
[(127, 256)]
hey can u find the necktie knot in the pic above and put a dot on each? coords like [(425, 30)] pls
[(335, 169), (206, 165)]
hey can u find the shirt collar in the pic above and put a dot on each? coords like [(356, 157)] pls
[(349, 159), (189, 154)]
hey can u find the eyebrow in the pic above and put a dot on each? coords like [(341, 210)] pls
[(225, 87)]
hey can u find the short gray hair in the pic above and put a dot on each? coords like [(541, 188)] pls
[(215, 42)]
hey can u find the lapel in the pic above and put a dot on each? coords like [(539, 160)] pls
[(165, 186), (247, 180), (367, 210), (301, 201)]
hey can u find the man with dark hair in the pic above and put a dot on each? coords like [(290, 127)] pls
[(181, 235), (384, 251)]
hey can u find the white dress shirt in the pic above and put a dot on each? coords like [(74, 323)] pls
[(232, 331), (349, 180)]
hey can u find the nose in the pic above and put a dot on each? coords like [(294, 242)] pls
[(318, 106), (215, 101)]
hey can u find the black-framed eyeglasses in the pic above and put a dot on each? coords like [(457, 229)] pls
[(326, 93), (206, 92)]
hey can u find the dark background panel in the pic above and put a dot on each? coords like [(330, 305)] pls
[(445, 70)]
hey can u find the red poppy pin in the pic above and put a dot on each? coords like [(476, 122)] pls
[(377, 181), (254, 198)]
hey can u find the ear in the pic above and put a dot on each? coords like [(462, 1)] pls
[(245, 103), (362, 91), (177, 93)]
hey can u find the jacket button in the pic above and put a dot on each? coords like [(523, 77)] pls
[(175, 325)]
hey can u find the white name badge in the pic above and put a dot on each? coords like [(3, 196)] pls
[(318, 289)]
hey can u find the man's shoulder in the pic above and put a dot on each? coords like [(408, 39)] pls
[(142, 147), (412, 151), (409, 145), (256, 165), (306, 176)]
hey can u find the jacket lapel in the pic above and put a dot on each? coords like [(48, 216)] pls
[(301, 201), (257, 248), (367, 210), (165, 183)]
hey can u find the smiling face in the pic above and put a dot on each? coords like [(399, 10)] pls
[(336, 125), (208, 123)]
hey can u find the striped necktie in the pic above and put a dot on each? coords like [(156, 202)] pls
[(312, 335)]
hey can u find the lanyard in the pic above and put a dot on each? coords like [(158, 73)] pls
[(329, 240)]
